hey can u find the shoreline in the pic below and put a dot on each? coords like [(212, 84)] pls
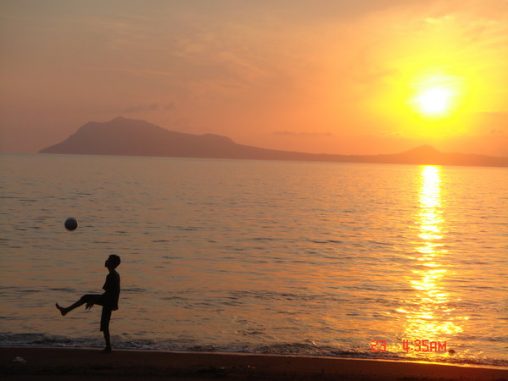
[(344, 356), (77, 364), (269, 354)]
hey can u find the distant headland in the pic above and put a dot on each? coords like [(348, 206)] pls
[(131, 137)]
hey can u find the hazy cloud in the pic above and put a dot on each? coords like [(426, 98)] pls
[(302, 133), (495, 122), (148, 107)]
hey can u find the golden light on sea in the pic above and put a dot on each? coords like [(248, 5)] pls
[(428, 314)]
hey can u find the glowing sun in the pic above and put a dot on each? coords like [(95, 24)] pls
[(436, 95), (434, 101)]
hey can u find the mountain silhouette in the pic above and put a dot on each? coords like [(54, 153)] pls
[(122, 136)]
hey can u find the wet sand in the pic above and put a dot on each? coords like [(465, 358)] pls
[(91, 364)]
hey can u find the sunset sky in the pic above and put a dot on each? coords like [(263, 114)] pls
[(338, 76)]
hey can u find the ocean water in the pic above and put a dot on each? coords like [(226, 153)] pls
[(329, 259)]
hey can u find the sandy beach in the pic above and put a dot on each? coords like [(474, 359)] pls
[(81, 364)]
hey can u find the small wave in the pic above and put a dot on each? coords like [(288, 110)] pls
[(263, 239), (28, 290), (134, 289), (186, 228), (171, 257), (65, 289), (178, 298), (334, 241), (287, 296), (40, 339)]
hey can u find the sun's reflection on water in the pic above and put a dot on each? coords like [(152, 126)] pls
[(428, 313)]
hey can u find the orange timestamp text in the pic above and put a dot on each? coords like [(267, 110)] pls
[(418, 345), (424, 346)]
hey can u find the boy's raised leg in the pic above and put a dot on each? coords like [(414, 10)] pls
[(89, 299), (62, 310)]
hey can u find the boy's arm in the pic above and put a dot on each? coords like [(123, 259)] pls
[(106, 283)]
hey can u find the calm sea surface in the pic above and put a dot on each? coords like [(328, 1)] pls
[(258, 256)]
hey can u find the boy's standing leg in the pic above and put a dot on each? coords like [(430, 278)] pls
[(105, 318)]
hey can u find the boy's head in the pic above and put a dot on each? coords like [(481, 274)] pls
[(112, 262)]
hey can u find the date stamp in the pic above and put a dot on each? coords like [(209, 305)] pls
[(417, 345), (378, 346)]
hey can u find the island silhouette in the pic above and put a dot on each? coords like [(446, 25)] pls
[(131, 137)]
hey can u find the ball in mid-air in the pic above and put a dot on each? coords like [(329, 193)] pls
[(71, 224)]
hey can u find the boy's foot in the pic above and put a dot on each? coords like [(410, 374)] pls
[(106, 350), (62, 310)]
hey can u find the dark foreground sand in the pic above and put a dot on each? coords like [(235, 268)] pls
[(89, 364)]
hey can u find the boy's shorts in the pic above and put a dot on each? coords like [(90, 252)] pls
[(106, 311)]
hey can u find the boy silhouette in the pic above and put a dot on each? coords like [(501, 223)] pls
[(108, 300)]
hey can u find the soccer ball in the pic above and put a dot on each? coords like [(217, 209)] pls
[(71, 224)]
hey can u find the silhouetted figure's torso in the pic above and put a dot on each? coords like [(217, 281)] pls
[(112, 288)]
